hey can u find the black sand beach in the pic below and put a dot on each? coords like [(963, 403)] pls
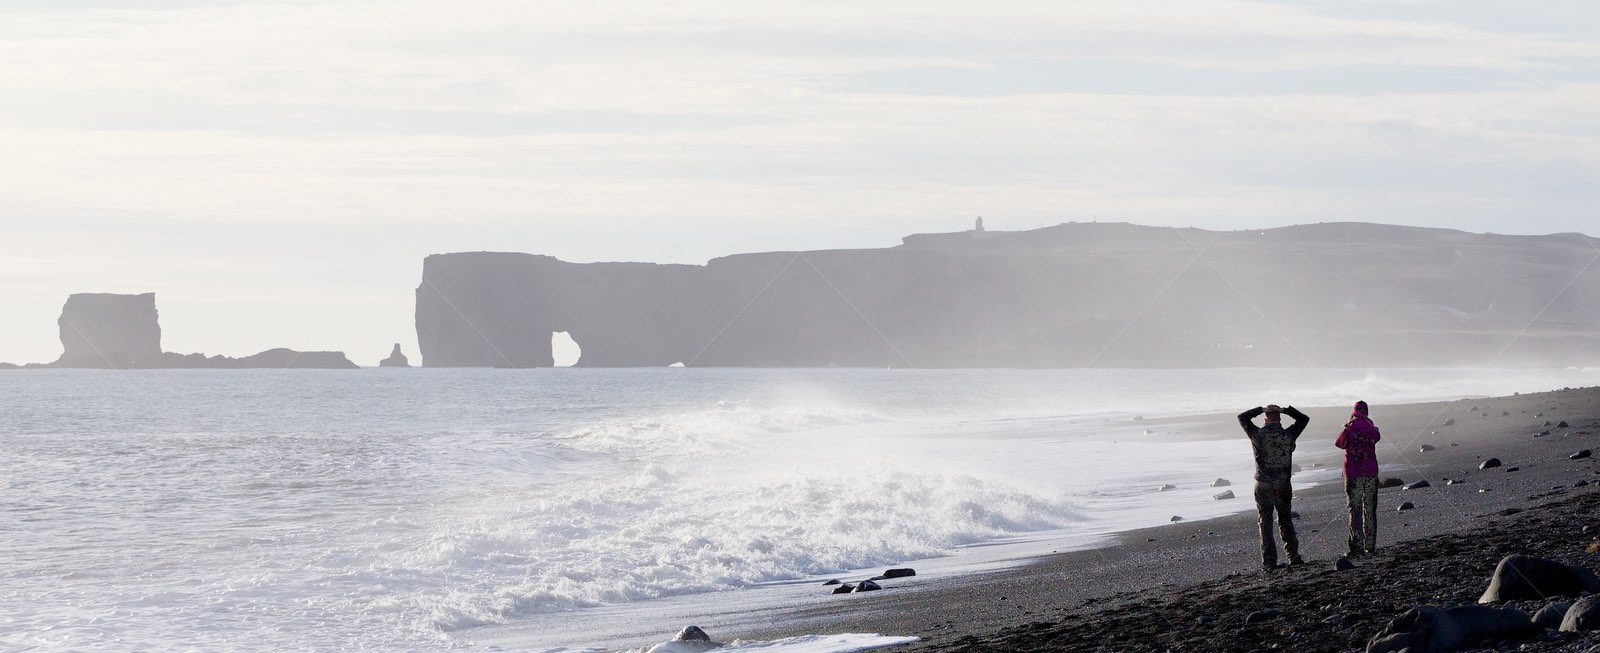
[(1190, 586)]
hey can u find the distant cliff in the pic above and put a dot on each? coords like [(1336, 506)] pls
[(1073, 295), (103, 330)]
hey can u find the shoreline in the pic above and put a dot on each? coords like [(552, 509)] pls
[(1136, 570), (1006, 608)]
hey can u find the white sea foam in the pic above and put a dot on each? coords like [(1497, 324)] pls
[(842, 643), (303, 510)]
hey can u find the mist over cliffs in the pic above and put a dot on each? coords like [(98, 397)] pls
[(1072, 295)]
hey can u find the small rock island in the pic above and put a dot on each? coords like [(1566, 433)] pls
[(113, 331), (395, 359)]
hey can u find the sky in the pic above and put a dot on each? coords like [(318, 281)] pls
[(277, 170)]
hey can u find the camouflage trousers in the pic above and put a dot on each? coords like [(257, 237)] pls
[(1272, 500), (1362, 494)]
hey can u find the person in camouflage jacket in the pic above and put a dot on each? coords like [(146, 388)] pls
[(1274, 451)]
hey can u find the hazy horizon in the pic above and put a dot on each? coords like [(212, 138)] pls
[(276, 171)]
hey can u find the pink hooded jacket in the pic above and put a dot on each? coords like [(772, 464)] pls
[(1359, 440)]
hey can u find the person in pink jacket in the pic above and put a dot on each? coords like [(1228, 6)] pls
[(1359, 440)]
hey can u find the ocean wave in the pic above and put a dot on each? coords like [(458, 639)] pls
[(661, 533)]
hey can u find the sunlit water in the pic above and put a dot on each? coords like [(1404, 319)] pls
[(401, 510)]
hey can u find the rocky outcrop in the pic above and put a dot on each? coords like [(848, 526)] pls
[(1430, 629), (395, 359), (1520, 577), (1109, 295), (1550, 616), (1583, 616), (100, 330), (107, 330)]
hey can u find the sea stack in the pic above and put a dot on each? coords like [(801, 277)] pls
[(395, 359), (105, 330)]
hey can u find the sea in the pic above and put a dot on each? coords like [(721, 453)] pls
[(570, 509)]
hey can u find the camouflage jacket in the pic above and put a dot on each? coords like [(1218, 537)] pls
[(1273, 444)]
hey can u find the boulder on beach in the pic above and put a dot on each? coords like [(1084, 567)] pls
[(867, 586), (830, 581), (1166, 487), (1391, 482), (1221, 482), (1549, 617), (1583, 616), (1426, 448), (1562, 425), (1520, 577), (1225, 495), (1344, 564), (1581, 454), (844, 588), (691, 634), (1406, 506), (1175, 519), (1419, 485), (1262, 615), (689, 640), (1431, 629), (1489, 464), (899, 572)]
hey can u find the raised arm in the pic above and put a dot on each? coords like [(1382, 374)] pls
[(1300, 421), (1246, 423)]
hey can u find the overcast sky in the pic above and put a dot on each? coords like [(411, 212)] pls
[(275, 171)]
